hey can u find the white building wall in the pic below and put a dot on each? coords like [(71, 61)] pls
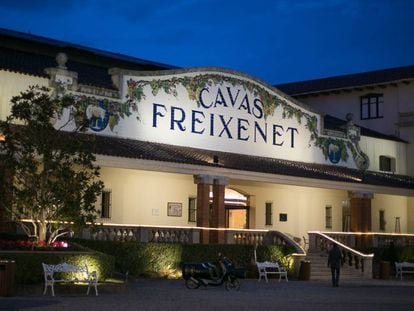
[(408, 133), (405, 97), (396, 99), (410, 215), (374, 148), (305, 207), (394, 206), (141, 197), (12, 84)]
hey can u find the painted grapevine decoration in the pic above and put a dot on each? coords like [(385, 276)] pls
[(100, 113), (194, 85), (334, 149)]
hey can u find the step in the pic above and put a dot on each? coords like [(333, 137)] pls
[(321, 271)]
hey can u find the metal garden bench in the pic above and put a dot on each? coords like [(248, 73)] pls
[(80, 273), (402, 268), (267, 267)]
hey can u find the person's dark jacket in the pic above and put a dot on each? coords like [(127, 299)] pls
[(335, 257)]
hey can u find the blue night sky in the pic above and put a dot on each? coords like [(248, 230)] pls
[(277, 41)]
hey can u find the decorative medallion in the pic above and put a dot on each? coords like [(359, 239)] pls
[(98, 116)]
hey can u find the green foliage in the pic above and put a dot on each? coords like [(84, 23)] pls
[(406, 254), (159, 259), (241, 255), (140, 258), (116, 110), (54, 175), (29, 264), (393, 254)]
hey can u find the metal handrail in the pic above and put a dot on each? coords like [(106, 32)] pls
[(360, 261)]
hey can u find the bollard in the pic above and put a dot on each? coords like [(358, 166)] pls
[(7, 271)]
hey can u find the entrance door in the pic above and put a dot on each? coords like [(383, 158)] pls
[(237, 217), (236, 207)]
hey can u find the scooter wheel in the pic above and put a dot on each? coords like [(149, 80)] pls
[(232, 284), (192, 284)]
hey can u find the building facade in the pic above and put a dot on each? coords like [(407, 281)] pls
[(212, 148)]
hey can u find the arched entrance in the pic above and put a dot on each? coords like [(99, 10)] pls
[(236, 205)]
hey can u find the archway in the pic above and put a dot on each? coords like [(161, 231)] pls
[(236, 206)]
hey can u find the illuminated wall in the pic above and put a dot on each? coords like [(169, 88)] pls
[(374, 148), (393, 206), (410, 215), (11, 84), (304, 206), (396, 99), (141, 197)]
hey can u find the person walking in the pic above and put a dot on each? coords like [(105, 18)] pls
[(335, 262)]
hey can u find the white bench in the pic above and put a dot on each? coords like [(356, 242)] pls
[(82, 275), (403, 267), (268, 267)]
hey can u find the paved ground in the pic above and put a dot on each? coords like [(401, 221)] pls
[(150, 295)]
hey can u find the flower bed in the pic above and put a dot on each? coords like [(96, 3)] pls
[(34, 245)]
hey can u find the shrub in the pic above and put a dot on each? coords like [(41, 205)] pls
[(162, 259), (29, 263)]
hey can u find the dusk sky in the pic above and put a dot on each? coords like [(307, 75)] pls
[(277, 41)]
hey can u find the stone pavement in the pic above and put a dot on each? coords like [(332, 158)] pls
[(151, 294)]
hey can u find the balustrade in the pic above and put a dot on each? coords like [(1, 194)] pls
[(376, 239), (245, 237), (184, 235), (320, 242)]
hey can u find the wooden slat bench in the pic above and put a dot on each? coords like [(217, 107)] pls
[(82, 270), (403, 268), (267, 267)]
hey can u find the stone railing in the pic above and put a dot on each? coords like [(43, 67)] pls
[(187, 235), (375, 239), (261, 237), (321, 242), (244, 237), (142, 234)]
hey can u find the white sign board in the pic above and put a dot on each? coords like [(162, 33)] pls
[(216, 110)]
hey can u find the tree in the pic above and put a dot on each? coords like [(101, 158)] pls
[(54, 176)]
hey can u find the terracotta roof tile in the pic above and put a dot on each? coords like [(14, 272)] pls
[(128, 148), (30, 54), (348, 81)]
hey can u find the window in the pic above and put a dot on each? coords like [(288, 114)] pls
[(282, 217), (371, 106), (269, 213), (106, 199), (386, 164), (382, 220), (192, 210), (328, 217)]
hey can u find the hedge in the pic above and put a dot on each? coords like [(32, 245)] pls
[(29, 263), (162, 259)]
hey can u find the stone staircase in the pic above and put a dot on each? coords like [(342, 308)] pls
[(321, 271)]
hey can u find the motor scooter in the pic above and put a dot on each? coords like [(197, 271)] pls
[(212, 274)]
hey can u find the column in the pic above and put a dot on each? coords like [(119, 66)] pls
[(361, 216), (218, 215), (203, 205)]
